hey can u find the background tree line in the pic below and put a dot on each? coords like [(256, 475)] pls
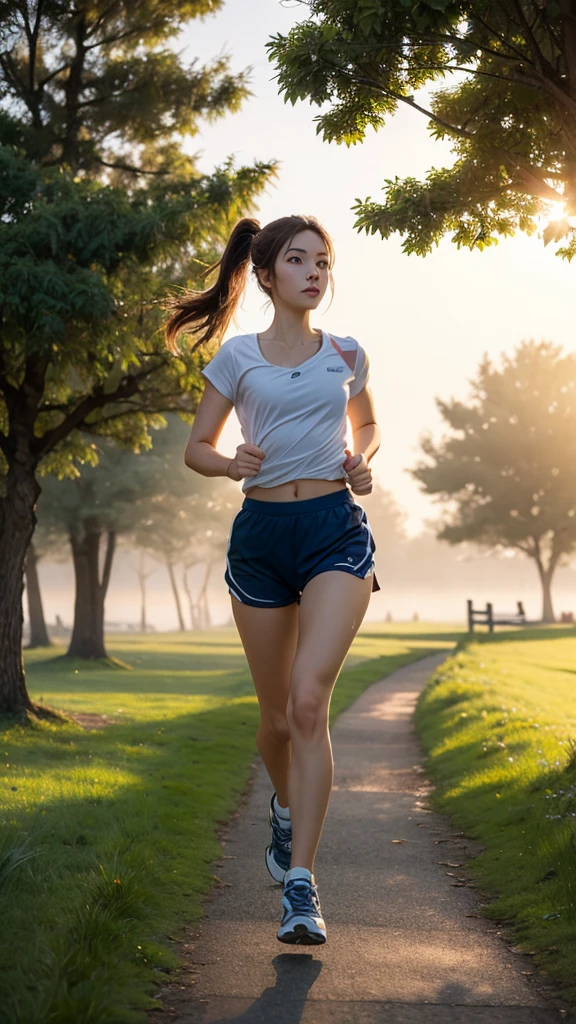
[(150, 502)]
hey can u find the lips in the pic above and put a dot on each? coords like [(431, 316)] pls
[(312, 291)]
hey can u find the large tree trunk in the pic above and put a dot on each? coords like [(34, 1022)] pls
[(17, 521), (38, 632), (87, 639)]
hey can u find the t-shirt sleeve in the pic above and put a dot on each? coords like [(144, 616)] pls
[(220, 371), (361, 372)]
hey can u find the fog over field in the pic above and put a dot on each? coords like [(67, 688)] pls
[(445, 581)]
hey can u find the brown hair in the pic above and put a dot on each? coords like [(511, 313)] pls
[(207, 314)]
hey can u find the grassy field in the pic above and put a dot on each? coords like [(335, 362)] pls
[(498, 722), (108, 835)]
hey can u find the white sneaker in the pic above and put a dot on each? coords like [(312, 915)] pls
[(302, 922)]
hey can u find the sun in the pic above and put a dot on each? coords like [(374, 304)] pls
[(555, 211)]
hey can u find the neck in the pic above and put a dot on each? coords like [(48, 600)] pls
[(291, 327)]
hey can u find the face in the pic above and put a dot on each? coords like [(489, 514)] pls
[(301, 272)]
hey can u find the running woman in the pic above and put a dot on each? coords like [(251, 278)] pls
[(299, 565)]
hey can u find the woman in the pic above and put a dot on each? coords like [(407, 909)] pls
[(299, 565)]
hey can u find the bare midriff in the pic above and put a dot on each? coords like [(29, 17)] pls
[(296, 490)]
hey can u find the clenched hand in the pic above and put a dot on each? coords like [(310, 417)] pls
[(359, 472), (247, 462)]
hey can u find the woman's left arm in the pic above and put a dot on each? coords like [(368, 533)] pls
[(366, 435)]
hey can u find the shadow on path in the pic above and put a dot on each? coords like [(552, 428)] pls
[(285, 1001)]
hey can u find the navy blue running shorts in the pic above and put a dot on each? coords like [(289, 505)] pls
[(277, 547)]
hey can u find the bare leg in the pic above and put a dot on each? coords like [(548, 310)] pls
[(332, 607), (269, 637)]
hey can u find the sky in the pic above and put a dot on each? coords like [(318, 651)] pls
[(426, 322)]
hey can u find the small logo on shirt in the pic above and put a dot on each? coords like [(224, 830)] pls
[(335, 369), (292, 375)]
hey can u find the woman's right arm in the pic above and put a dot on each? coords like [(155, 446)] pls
[(201, 455)]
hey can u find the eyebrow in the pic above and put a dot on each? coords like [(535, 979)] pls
[(294, 249)]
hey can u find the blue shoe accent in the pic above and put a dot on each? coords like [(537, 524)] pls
[(302, 922), (280, 850)]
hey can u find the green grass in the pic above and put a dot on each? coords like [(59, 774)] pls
[(498, 723), (108, 837)]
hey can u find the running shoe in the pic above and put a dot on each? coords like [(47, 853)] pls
[(279, 851), (302, 922)]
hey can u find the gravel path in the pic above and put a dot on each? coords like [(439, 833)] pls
[(405, 942)]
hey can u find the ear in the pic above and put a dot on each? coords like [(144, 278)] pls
[(264, 277)]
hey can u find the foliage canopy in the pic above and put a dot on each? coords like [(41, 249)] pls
[(505, 97)]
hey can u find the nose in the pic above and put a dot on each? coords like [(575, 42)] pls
[(313, 273)]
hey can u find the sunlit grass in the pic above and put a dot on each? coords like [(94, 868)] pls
[(108, 836), (498, 721)]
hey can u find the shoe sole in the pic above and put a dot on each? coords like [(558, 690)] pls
[(274, 869), (300, 936)]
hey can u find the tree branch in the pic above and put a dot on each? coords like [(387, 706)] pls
[(537, 55), (97, 400), (113, 39), (128, 167), (48, 78), (102, 99), (531, 180), (101, 18), (474, 17), (409, 100)]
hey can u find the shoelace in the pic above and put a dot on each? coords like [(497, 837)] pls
[(302, 895)]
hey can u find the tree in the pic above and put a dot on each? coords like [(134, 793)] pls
[(188, 532), (388, 524), (510, 112), (508, 470), (91, 512), (184, 521), (100, 212), (143, 575)]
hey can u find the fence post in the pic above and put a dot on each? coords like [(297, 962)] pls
[(470, 617), (490, 617)]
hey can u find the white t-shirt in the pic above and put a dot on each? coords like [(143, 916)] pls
[(295, 414)]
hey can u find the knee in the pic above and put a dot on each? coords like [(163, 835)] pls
[(275, 725), (308, 715)]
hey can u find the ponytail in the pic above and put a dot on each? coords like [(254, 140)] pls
[(207, 314)]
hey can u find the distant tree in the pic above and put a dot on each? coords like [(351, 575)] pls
[(101, 212), (388, 524), (47, 543), (510, 111), (91, 511), (184, 522), (38, 631), (507, 470), (143, 574)]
